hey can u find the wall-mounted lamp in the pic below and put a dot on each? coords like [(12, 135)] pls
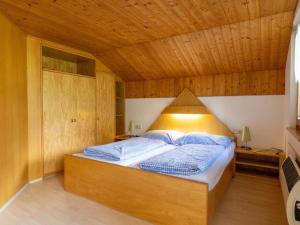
[(186, 110), (186, 116)]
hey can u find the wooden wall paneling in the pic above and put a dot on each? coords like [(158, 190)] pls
[(105, 104), (162, 39), (219, 85), (246, 83), (280, 83), (86, 113), (13, 110), (117, 23), (35, 108), (59, 112), (247, 46)]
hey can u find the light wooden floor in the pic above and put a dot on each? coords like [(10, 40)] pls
[(249, 201)]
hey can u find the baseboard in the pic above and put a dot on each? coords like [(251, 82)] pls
[(35, 181), (13, 198), (18, 193)]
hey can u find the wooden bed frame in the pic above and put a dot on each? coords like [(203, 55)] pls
[(158, 198)]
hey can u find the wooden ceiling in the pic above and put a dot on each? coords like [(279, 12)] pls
[(154, 39)]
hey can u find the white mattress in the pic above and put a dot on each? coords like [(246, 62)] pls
[(211, 176)]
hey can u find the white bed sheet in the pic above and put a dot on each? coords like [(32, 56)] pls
[(211, 176), (135, 160)]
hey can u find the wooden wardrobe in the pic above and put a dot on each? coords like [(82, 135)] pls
[(69, 107), (71, 104)]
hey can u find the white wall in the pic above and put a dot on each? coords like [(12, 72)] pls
[(263, 114)]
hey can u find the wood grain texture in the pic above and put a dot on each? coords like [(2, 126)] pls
[(159, 39), (118, 23), (35, 108), (48, 198), (216, 195), (13, 110), (106, 103), (106, 124), (247, 83), (86, 113), (59, 110), (120, 108), (206, 122), (158, 198), (239, 206), (69, 113), (256, 45)]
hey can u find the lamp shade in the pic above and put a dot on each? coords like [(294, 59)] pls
[(246, 134), (130, 126)]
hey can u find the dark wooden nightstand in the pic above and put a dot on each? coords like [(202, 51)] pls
[(124, 137), (259, 161)]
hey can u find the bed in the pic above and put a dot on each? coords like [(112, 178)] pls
[(155, 197)]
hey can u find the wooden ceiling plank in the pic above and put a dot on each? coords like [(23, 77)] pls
[(207, 61), (285, 36), (244, 46), (183, 43), (229, 48), (78, 25), (164, 58), (255, 44), (152, 39)]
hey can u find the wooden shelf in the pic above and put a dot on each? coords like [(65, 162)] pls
[(60, 61), (120, 108), (258, 161), (261, 152), (256, 164)]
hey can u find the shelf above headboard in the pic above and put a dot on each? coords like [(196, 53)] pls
[(187, 113)]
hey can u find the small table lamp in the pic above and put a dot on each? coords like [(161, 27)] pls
[(246, 137), (130, 127)]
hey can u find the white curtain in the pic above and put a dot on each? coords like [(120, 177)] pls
[(297, 54)]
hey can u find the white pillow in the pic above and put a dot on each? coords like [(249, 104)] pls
[(170, 136)]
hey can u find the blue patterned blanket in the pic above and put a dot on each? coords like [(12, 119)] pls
[(123, 149), (187, 160)]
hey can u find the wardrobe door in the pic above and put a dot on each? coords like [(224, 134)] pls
[(105, 108), (59, 112), (86, 113)]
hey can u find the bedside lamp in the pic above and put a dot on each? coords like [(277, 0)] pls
[(130, 127), (246, 137)]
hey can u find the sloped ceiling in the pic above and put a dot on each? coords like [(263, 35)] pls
[(154, 39)]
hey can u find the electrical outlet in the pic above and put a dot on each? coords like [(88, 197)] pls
[(137, 126)]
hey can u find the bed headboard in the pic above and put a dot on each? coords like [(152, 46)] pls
[(187, 113)]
